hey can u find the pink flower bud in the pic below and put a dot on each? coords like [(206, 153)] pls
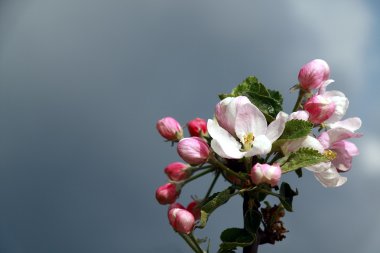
[(319, 109), (167, 193), (197, 127), (174, 205), (265, 173), (181, 220), (177, 171), (273, 174), (313, 74), (194, 208), (193, 150), (170, 129)]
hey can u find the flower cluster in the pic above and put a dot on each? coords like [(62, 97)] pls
[(251, 142)]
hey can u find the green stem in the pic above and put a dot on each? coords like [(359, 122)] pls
[(198, 175), (270, 193), (192, 237), (219, 164), (212, 185), (190, 243), (301, 94), (194, 169)]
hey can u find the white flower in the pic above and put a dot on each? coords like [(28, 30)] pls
[(240, 129)]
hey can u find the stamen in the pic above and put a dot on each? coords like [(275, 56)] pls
[(331, 155)]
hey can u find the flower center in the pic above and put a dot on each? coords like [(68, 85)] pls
[(248, 139), (331, 155)]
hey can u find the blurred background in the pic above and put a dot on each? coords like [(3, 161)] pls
[(83, 82)]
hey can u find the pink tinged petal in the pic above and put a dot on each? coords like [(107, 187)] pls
[(276, 128), (249, 119), (301, 115), (226, 110), (341, 105), (345, 150), (319, 108), (351, 124), (337, 134), (260, 146), (324, 139), (330, 178), (223, 143)]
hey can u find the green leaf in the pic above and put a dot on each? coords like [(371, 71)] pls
[(235, 237), (304, 157), (252, 221), (215, 200), (276, 95), (295, 129), (268, 101), (251, 84), (287, 194)]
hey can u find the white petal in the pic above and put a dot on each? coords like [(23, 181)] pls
[(301, 115), (276, 127), (249, 119), (306, 142), (351, 124), (341, 105), (322, 90), (223, 143), (320, 167), (330, 178), (260, 146)]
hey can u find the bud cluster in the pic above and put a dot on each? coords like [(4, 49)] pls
[(252, 143)]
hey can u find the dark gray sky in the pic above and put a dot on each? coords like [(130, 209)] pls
[(82, 83)]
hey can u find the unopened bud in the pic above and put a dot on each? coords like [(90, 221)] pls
[(194, 208), (193, 150), (167, 193), (197, 127), (177, 171), (265, 173), (319, 109), (312, 75), (170, 129), (181, 220)]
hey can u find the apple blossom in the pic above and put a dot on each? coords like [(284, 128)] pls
[(170, 129), (181, 220), (177, 171), (249, 126), (313, 74), (265, 173), (167, 193), (319, 109), (193, 150), (197, 127)]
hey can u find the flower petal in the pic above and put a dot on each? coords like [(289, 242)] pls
[(351, 124), (330, 178), (306, 142), (320, 167), (333, 135), (260, 146), (226, 110), (276, 127), (345, 150), (249, 119), (223, 143), (341, 105), (301, 115)]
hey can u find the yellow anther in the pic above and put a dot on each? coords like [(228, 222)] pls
[(248, 139), (331, 155)]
